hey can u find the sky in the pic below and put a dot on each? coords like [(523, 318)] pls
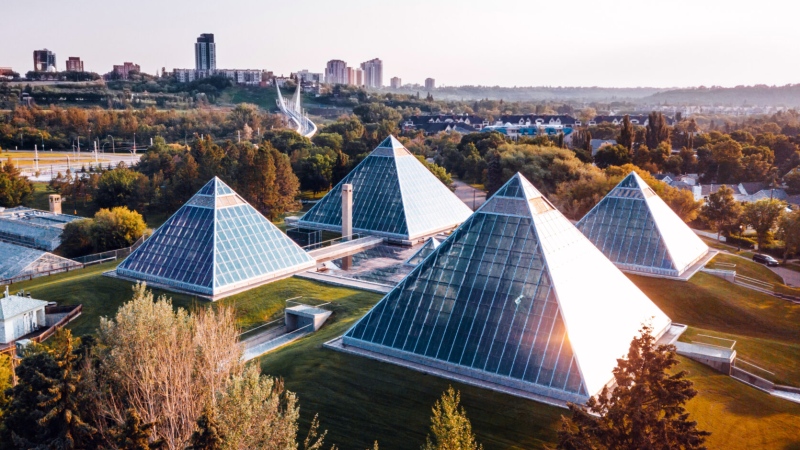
[(619, 43)]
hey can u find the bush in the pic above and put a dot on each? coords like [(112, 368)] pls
[(109, 230), (743, 242)]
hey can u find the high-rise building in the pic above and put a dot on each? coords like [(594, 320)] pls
[(396, 83), (205, 52), (373, 73), (74, 64), (359, 78), (44, 61), (336, 72), (351, 76), (430, 84)]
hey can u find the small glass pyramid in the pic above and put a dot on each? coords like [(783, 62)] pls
[(215, 245)]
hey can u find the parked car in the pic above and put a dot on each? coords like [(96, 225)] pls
[(765, 259)]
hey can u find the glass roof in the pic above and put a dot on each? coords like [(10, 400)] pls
[(394, 195), (637, 231), (426, 249), (214, 243), (506, 299)]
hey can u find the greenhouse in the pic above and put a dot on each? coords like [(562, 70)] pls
[(215, 245), (515, 297), (640, 233), (394, 195)]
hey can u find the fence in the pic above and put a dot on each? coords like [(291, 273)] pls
[(43, 273), (71, 313), (331, 242), (111, 255)]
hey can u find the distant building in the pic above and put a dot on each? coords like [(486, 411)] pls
[(430, 84), (74, 64), (205, 52), (44, 61), (641, 120), (309, 77), (336, 72), (396, 83), (359, 81), (373, 73), (597, 144), (351, 76), (7, 73), (19, 316), (432, 124), (123, 71)]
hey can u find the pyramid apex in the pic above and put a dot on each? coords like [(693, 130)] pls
[(391, 142)]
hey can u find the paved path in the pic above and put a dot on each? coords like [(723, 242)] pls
[(472, 197), (790, 277), (346, 282)]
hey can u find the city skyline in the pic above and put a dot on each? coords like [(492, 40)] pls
[(587, 49)]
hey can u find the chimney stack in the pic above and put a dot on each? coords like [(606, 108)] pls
[(55, 203), (347, 212)]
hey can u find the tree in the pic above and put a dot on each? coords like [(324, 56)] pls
[(164, 363), (45, 410), (727, 155), (207, 436), (644, 411), (76, 239), (450, 427), (789, 233), (120, 187), (688, 160), (135, 435), (14, 188), (627, 134), (6, 378), (316, 172), (116, 228), (657, 130), (792, 180), (494, 173), (763, 215), (612, 155), (721, 210)]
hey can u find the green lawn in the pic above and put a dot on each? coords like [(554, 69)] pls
[(765, 327), (101, 296), (745, 266)]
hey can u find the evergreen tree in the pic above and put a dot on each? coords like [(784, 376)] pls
[(494, 173), (134, 435), (450, 427), (207, 436), (45, 409), (645, 411), (627, 134), (657, 130)]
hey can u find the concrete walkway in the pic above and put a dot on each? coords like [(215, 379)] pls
[(790, 277), (472, 197), (346, 282)]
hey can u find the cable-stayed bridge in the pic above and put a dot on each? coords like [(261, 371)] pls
[(294, 112)]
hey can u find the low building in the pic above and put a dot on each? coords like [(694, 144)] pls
[(641, 120), (44, 61), (597, 144), (20, 315), (249, 77), (21, 263), (414, 122), (32, 227)]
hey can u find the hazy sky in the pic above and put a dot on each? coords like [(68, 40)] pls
[(507, 43)]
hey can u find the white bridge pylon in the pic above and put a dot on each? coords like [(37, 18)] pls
[(294, 112)]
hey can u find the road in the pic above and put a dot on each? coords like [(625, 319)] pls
[(472, 197), (790, 277)]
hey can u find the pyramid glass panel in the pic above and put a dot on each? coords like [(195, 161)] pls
[(393, 195), (426, 249), (503, 300), (637, 231), (214, 245)]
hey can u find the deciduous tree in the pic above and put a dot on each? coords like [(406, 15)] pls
[(450, 426), (721, 210), (763, 216)]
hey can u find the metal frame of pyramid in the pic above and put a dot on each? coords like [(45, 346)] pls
[(214, 246), (517, 298), (641, 234), (424, 250), (394, 195)]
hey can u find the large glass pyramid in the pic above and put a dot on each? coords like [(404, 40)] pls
[(394, 195), (516, 296), (215, 245), (639, 233), (424, 250)]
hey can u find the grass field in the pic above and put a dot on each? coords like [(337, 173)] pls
[(101, 296), (745, 266)]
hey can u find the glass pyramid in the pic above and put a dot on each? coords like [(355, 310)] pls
[(394, 195), (214, 245), (639, 233), (426, 249), (516, 296)]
